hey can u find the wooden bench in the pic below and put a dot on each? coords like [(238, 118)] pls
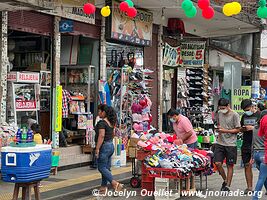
[(27, 190)]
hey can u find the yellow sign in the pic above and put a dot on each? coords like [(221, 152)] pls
[(72, 9), (58, 109), (238, 95)]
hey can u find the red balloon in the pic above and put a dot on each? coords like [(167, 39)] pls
[(124, 6), (208, 13), (132, 12), (203, 4), (88, 8)]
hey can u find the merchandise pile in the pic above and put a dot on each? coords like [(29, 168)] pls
[(7, 134), (170, 153)]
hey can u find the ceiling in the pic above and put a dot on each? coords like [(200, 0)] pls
[(220, 25)]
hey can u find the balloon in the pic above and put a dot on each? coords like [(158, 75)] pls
[(191, 13), (262, 3), (88, 8), (130, 3), (132, 12), (105, 11), (208, 13), (227, 10), (262, 12), (187, 5), (203, 4), (124, 6), (237, 8)]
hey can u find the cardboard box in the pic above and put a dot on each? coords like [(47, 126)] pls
[(134, 141), (36, 67)]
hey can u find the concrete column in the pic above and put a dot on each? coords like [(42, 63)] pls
[(56, 76), (103, 56), (56, 52), (160, 78), (3, 64), (256, 56)]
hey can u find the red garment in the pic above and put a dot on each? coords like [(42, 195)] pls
[(263, 133)]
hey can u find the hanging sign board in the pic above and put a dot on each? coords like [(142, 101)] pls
[(172, 56), (238, 95), (123, 28), (23, 77), (58, 109), (193, 54), (72, 9)]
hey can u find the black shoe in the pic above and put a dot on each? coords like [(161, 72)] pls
[(223, 186)]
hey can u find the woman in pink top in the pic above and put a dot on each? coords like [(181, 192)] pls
[(183, 128)]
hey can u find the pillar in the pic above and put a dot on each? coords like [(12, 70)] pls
[(160, 78), (56, 77), (3, 64), (256, 56), (103, 58)]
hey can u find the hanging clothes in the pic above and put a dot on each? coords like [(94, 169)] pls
[(66, 98)]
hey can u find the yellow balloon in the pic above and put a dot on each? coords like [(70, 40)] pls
[(228, 10), (105, 11), (237, 8)]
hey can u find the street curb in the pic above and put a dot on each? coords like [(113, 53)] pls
[(84, 193)]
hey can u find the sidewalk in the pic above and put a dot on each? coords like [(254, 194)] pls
[(67, 182)]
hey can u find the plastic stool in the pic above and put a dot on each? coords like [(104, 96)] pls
[(26, 190)]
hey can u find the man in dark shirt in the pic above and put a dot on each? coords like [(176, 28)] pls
[(248, 121)]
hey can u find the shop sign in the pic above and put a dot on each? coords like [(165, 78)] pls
[(25, 105), (23, 77), (65, 26), (72, 9), (238, 95), (193, 54), (136, 31), (58, 109), (172, 56)]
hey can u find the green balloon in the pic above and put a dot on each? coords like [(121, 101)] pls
[(187, 5), (262, 12), (262, 3), (130, 3), (191, 13)]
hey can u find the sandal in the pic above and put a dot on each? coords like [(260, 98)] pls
[(119, 187), (103, 192)]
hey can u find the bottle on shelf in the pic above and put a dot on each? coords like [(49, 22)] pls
[(29, 136), (19, 136)]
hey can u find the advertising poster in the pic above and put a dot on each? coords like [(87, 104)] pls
[(238, 95), (172, 56), (193, 54), (58, 109), (135, 31)]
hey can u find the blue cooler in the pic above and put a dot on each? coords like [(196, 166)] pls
[(26, 164)]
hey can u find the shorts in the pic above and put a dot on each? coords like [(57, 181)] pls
[(246, 155), (225, 152)]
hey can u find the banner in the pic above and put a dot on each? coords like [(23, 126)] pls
[(135, 31), (192, 54), (72, 9), (172, 56), (58, 109), (238, 95)]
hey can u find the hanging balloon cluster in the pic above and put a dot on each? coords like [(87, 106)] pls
[(231, 9), (262, 10), (128, 7), (189, 8), (89, 9), (207, 11)]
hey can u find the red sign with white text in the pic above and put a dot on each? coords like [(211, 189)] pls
[(25, 105), (23, 77)]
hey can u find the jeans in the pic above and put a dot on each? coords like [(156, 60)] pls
[(262, 180), (104, 162), (193, 145)]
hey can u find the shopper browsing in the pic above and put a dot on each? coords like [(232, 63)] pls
[(183, 128), (228, 127), (258, 156), (101, 115), (105, 148), (262, 157), (248, 121)]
